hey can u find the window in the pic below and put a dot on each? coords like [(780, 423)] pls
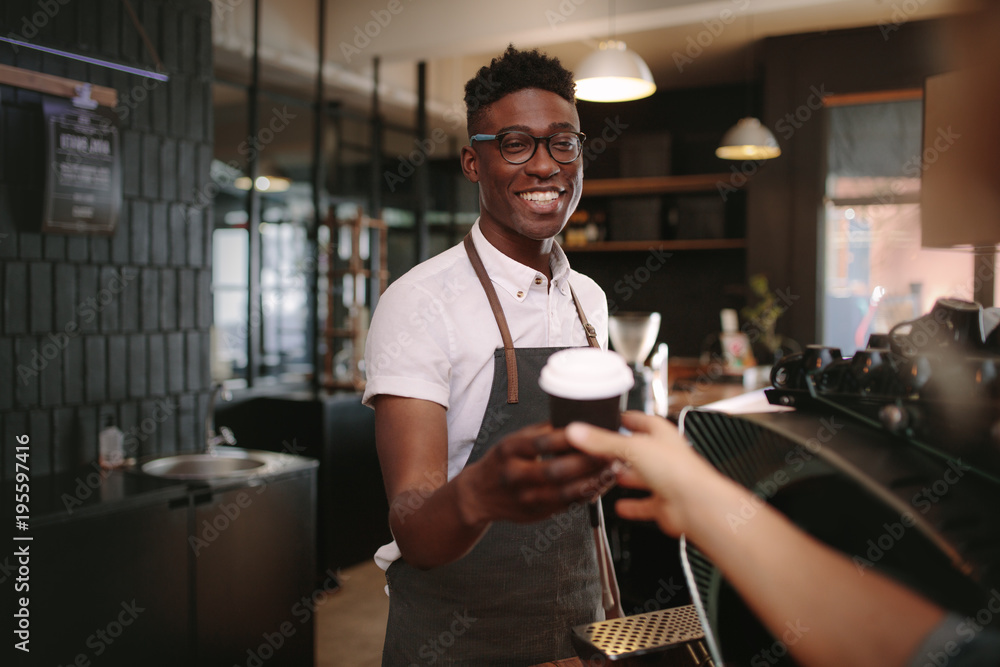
[(876, 273)]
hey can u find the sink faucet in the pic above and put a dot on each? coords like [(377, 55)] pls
[(225, 435)]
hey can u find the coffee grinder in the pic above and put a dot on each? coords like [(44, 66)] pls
[(633, 336)]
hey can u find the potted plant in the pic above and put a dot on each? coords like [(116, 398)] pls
[(759, 321)]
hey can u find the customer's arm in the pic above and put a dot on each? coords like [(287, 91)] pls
[(435, 521), (811, 597)]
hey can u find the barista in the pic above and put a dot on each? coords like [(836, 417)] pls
[(493, 559)]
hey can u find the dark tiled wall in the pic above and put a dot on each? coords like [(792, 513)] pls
[(93, 325)]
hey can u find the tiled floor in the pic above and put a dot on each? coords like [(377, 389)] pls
[(350, 625)]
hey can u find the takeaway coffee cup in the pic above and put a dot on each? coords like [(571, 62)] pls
[(588, 385)]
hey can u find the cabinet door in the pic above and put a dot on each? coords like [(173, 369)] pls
[(111, 590), (254, 562)]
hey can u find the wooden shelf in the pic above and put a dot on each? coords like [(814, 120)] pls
[(654, 185), (55, 85), (681, 244)]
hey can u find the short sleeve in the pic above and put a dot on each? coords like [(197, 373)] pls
[(408, 345)]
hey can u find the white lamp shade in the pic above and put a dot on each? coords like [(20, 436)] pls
[(748, 140), (613, 74)]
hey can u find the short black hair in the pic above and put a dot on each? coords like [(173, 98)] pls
[(513, 71)]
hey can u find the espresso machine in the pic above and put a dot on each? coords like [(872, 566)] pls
[(633, 335)]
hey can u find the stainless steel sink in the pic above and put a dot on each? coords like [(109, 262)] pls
[(222, 463)]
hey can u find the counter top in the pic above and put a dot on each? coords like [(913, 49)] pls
[(91, 491), (693, 384)]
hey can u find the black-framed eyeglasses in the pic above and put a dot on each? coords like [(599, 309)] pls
[(518, 147)]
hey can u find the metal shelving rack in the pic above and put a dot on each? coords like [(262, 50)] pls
[(348, 303)]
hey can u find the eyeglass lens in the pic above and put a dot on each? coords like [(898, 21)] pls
[(519, 147)]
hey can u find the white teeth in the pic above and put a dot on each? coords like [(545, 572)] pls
[(540, 196)]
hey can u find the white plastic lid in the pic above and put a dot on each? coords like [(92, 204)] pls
[(586, 374)]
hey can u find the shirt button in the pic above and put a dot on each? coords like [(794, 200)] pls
[(538, 281), (520, 294)]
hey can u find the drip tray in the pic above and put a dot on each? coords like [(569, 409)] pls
[(665, 637)]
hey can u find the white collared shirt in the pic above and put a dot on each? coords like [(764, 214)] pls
[(433, 334)]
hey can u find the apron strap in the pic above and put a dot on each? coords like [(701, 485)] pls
[(491, 294), (587, 326), (508, 342)]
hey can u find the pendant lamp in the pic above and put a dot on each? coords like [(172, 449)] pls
[(748, 139), (613, 74)]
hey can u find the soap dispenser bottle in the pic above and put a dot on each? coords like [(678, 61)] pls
[(111, 445)]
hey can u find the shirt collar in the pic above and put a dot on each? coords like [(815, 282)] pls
[(511, 275)]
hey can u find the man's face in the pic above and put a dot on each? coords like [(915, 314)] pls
[(534, 199)]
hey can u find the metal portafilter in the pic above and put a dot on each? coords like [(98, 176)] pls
[(633, 336)]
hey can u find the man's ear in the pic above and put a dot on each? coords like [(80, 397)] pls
[(470, 164)]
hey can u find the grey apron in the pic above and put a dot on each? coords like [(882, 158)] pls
[(514, 597)]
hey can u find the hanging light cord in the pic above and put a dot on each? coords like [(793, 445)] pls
[(142, 33), (750, 63)]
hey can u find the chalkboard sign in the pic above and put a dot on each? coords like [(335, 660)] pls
[(83, 190)]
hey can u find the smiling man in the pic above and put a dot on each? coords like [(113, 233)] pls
[(493, 560)]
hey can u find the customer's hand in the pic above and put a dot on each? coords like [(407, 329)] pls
[(659, 460), (530, 475)]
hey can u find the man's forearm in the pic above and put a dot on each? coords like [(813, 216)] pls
[(433, 528)]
